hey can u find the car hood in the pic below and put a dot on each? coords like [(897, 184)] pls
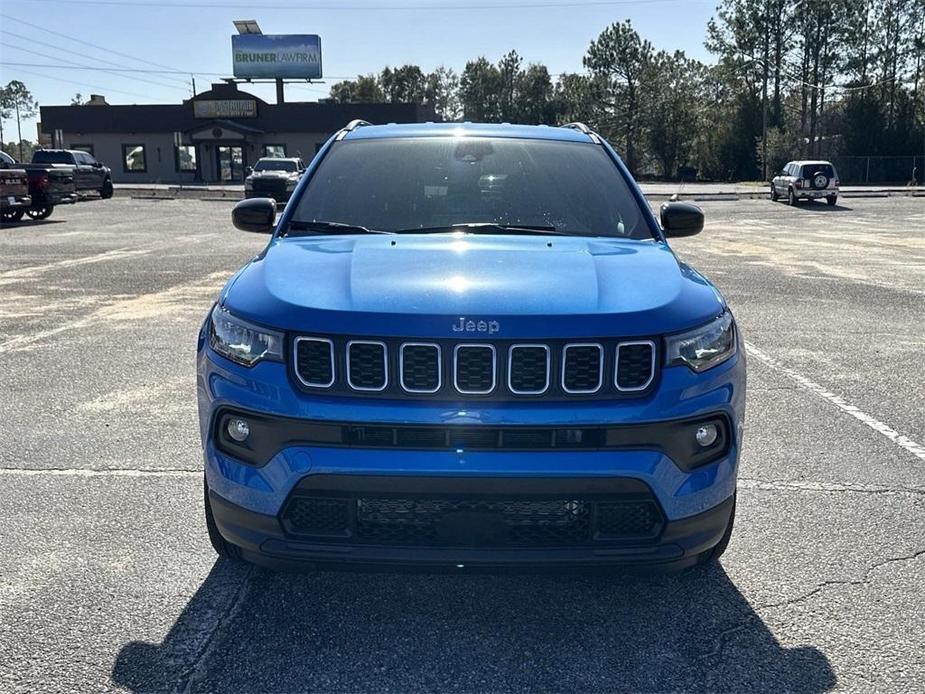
[(471, 286)]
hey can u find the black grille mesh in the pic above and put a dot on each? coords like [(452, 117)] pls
[(367, 365), (582, 366), (634, 365), (482, 522), (529, 369), (267, 184), (313, 362), (475, 369), (628, 519), (420, 367)]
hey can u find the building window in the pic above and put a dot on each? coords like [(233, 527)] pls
[(186, 158), (276, 151), (83, 148), (133, 159)]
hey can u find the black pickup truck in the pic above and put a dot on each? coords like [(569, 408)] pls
[(90, 175), (34, 189)]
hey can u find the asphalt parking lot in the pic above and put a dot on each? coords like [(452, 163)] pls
[(107, 580)]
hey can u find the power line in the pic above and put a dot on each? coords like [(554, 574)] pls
[(100, 69), (62, 49), (366, 8), (139, 70), (82, 84), (96, 46)]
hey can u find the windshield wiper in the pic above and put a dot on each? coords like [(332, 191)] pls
[(488, 228), (332, 228)]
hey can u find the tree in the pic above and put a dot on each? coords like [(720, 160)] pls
[(19, 100), (406, 84), (78, 100), (441, 92), (479, 90), (619, 57), (675, 108), (534, 96), (364, 90)]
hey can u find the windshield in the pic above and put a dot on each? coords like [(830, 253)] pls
[(407, 184), (274, 165), (43, 156)]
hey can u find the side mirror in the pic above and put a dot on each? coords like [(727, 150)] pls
[(681, 219), (256, 215), (248, 170), (97, 165)]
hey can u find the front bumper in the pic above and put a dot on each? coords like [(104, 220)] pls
[(263, 540), (275, 195)]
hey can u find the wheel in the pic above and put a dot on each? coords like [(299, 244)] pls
[(791, 198), (774, 194), (106, 190), (712, 555), (222, 547), (41, 212), (12, 215), (831, 200)]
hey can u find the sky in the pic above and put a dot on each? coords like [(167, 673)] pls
[(357, 36)]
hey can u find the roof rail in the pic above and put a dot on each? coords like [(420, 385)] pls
[(351, 126), (578, 125)]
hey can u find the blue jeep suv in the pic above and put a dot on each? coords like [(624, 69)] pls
[(469, 345)]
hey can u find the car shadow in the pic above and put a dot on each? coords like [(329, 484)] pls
[(254, 630), (24, 222), (815, 206)]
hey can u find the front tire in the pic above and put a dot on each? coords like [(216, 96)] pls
[(106, 191), (831, 200), (41, 212), (774, 195), (222, 547), (791, 198)]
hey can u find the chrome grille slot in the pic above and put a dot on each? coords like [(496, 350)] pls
[(367, 365), (420, 367), (528, 369), (635, 365), (474, 369), (582, 368), (314, 361)]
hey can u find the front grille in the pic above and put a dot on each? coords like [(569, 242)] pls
[(474, 369), (434, 521), (635, 365), (502, 370), (367, 368), (268, 185), (582, 368)]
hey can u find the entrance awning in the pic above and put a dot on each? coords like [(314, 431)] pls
[(220, 129)]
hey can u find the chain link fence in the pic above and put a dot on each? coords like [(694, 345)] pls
[(897, 170)]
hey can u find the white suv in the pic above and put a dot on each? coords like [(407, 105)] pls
[(806, 180)]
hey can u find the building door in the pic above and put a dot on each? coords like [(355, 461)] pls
[(230, 160)]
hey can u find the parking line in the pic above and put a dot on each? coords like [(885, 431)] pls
[(904, 442)]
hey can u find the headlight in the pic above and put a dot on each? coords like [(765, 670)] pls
[(704, 347), (243, 342)]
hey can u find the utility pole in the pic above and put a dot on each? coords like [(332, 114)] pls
[(19, 130), (193, 80), (764, 92)]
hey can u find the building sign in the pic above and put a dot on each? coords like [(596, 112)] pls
[(281, 55), (225, 108)]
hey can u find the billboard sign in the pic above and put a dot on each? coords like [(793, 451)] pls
[(262, 56)]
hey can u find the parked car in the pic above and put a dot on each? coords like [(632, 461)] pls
[(806, 180), (470, 345), (274, 177), (48, 187), (14, 190), (90, 175)]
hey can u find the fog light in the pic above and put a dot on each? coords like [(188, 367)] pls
[(706, 435), (239, 429)]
